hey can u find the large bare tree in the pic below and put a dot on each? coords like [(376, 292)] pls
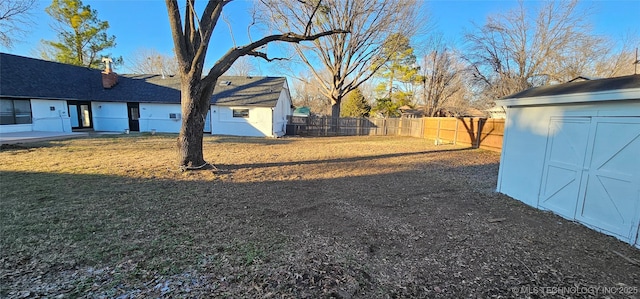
[(525, 47), (191, 37), (15, 17), (307, 92), (243, 66), (352, 58), (620, 59), (150, 61), (442, 73)]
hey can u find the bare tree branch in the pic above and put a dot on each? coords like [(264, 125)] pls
[(353, 58), (15, 17), (524, 48)]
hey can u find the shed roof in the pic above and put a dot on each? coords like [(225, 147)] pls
[(618, 88), (25, 77)]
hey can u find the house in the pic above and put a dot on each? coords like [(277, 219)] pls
[(40, 95), (574, 149)]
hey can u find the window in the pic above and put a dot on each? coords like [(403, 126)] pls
[(241, 113), (14, 112)]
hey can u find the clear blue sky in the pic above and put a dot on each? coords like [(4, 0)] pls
[(144, 23)]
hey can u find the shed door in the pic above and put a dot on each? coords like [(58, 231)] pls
[(612, 189), (566, 150)]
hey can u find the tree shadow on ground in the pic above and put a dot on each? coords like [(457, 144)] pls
[(232, 167), (250, 140)]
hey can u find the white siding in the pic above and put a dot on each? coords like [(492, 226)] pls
[(258, 124), (114, 117), (45, 119), (281, 111), (156, 117), (109, 117)]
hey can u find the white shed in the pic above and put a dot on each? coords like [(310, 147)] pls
[(574, 149)]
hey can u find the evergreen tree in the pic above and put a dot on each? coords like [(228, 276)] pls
[(387, 107), (355, 105), (400, 67), (81, 35)]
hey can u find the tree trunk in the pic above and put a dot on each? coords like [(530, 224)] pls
[(195, 104), (335, 115)]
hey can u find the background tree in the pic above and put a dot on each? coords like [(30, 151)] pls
[(191, 39), (398, 66), (442, 77), (243, 66), (150, 61), (81, 35), (308, 94), (355, 105), (386, 107), (526, 48), (352, 58), (619, 59), (15, 17)]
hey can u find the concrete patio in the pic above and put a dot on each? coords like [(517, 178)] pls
[(34, 136)]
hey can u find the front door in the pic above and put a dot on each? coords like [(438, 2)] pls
[(134, 116), (80, 114)]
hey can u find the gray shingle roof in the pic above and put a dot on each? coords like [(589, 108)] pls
[(25, 77), (33, 78), (625, 82), (248, 91)]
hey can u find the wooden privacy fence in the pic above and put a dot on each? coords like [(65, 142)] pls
[(486, 133), (474, 132)]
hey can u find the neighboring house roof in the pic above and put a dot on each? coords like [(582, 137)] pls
[(25, 77), (582, 78), (625, 82), (302, 111)]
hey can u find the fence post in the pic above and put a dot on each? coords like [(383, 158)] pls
[(479, 135), (384, 127)]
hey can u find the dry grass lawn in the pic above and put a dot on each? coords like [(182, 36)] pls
[(342, 217)]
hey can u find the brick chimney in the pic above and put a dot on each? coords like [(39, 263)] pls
[(109, 78)]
